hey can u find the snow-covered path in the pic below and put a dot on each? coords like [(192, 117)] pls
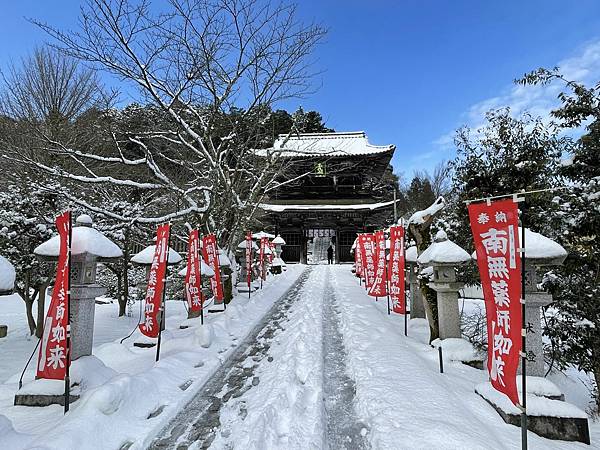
[(329, 369)]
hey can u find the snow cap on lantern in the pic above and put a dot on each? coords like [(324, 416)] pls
[(443, 252), (242, 245), (145, 257), (86, 239), (205, 269), (7, 276), (262, 234), (540, 250)]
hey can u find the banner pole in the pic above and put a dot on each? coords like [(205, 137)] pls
[(68, 341), (523, 342), (405, 316), (163, 309), (387, 278)]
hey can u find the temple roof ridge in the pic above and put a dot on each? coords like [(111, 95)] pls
[(347, 143)]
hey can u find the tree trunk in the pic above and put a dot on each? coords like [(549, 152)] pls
[(420, 233), (41, 300), (124, 294)]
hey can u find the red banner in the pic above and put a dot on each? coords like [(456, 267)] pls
[(156, 284), (358, 259), (53, 356), (249, 258), (193, 277), (396, 270), (495, 230), (264, 242), (211, 256), (368, 258), (378, 286)]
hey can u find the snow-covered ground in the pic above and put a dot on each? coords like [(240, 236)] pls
[(323, 367), (126, 396)]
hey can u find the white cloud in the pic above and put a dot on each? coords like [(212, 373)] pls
[(539, 101)]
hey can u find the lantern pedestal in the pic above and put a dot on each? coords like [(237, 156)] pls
[(552, 419), (447, 303), (83, 307)]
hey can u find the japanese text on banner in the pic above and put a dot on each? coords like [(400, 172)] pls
[(495, 232)]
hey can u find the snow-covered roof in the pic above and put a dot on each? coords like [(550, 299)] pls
[(7, 275), (292, 207), (85, 240), (147, 254), (422, 216), (278, 240), (262, 234), (353, 143), (443, 251), (205, 269), (541, 248)]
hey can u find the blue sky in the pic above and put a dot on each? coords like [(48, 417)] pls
[(409, 72)]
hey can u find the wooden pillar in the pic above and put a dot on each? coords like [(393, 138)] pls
[(337, 245), (302, 245)]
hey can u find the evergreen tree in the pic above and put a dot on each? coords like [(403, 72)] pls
[(507, 155), (575, 327), (26, 220)]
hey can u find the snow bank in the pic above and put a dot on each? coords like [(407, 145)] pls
[(457, 349), (443, 251), (539, 386), (85, 240), (7, 275), (536, 406), (147, 255)]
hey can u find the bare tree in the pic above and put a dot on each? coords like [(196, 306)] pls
[(197, 61), (440, 179)]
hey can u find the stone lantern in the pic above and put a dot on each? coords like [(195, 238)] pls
[(279, 243), (444, 256), (226, 275), (7, 284), (417, 309), (88, 248), (540, 251), (240, 256)]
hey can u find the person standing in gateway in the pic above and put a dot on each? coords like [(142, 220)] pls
[(330, 254)]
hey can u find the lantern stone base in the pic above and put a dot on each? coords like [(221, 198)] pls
[(44, 392), (3, 331), (552, 419), (448, 313), (243, 287), (43, 400)]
